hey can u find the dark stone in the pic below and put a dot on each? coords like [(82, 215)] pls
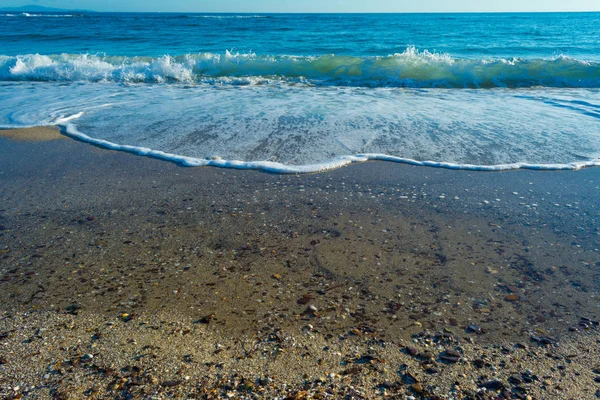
[(171, 383), (479, 363), (493, 385), (409, 379), (412, 351), (545, 340), (590, 321), (515, 380), (73, 309), (449, 359), (206, 319), (453, 353)]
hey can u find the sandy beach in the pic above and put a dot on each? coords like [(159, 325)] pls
[(128, 277)]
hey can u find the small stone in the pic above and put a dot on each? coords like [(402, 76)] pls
[(412, 351), (206, 319), (86, 357), (277, 276), (450, 359), (453, 353), (417, 387), (474, 328), (265, 381), (479, 363), (590, 321), (305, 299), (171, 383), (312, 309), (512, 297), (515, 380), (493, 385), (597, 379)]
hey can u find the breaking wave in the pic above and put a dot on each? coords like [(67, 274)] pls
[(412, 68)]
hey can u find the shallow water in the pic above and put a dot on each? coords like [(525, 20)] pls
[(306, 93)]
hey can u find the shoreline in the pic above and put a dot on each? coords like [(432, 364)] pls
[(380, 251), (70, 130)]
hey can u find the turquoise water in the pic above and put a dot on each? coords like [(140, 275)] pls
[(154, 35), (304, 92)]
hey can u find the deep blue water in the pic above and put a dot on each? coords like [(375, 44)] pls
[(313, 90), (460, 35)]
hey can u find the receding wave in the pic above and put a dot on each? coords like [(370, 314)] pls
[(412, 68), (71, 130)]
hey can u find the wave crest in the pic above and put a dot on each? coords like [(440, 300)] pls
[(412, 68)]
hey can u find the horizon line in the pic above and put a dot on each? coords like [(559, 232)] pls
[(318, 12)]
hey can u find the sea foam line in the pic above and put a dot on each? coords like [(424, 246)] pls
[(70, 129)]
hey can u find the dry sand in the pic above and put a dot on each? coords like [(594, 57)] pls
[(126, 277)]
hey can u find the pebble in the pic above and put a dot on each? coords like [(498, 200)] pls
[(450, 359), (512, 297), (493, 385), (515, 380), (412, 351), (417, 387), (453, 353)]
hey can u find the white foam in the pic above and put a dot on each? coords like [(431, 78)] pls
[(411, 68), (307, 129), (338, 162)]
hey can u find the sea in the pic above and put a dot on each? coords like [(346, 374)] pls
[(303, 93)]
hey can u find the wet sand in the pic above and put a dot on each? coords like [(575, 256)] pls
[(126, 276), (35, 134)]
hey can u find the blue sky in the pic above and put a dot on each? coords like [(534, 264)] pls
[(317, 5)]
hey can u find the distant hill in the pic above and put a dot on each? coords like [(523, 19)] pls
[(35, 8)]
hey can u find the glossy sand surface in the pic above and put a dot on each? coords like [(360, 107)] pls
[(133, 260)]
